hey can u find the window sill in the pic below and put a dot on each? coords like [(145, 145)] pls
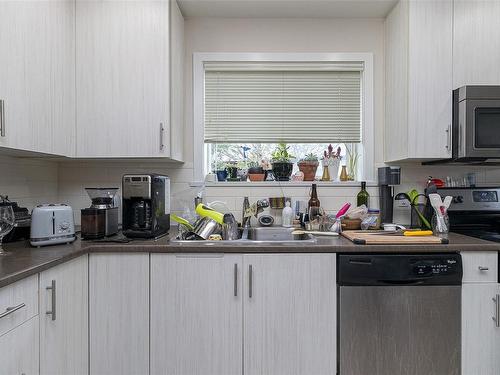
[(247, 184)]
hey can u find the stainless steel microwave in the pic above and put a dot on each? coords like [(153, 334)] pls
[(476, 123)]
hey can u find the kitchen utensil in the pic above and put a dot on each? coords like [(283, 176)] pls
[(21, 230), (316, 233), (266, 220), (407, 233), (447, 201), (393, 227), (205, 211), (229, 228), (7, 222), (182, 221), (206, 226), (343, 210), (52, 224)]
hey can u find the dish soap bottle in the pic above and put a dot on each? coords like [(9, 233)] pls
[(287, 215), (363, 196)]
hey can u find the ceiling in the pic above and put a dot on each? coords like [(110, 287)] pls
[(287, 8)]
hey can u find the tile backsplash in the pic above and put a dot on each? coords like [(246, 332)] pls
[(35, 181), (28, 181)]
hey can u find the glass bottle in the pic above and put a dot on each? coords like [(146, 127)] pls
[(343, 174), (313, 201), (363, 196)]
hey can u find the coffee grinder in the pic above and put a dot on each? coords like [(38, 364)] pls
[(146, 205), (387, 178), (101, 218)]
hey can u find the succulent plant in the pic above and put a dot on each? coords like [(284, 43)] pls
[(310, 157), (281, 154)]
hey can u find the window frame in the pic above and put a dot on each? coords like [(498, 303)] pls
[(367, 167)]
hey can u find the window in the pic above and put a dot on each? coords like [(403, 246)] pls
[(249, 106)]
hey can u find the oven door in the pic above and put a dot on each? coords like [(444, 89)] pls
[(479, 129)]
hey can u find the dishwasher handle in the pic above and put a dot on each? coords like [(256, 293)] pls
[(404, 282)]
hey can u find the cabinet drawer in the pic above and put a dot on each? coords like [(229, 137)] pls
[(480, 266), (18, 303)]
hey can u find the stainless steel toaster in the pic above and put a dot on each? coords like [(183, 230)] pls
[(52, 224)]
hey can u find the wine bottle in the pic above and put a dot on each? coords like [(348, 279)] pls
[(363, 196), (314, 201)]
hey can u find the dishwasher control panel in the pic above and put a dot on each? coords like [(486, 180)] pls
[(400, 269), (428, 267)]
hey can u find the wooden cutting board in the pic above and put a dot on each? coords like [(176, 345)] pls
[(367, 238)]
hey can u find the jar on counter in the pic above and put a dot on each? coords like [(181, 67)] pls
[(372, 220)]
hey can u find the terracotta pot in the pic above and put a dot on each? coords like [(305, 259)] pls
[(257, 176), (309, 169)]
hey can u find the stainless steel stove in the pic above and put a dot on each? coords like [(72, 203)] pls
[(475, 211)]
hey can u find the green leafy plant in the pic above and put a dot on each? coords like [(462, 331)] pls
[(352, 161), (253, 164), (310, 158), (281, 154)]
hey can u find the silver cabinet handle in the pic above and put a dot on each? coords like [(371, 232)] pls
[(250, 281), (162, 130), (483, 268), (52, 288), (448, 137), (10, 310), (236, 279), (2, 119), (496, 318)]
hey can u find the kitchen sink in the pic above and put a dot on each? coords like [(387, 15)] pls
[(260, 235)]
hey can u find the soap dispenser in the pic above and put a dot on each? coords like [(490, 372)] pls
[(287, 215)]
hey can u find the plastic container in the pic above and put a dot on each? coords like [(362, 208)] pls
[(287, 216), (372, 220)]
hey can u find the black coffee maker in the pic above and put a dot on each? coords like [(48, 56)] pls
[(146, 205)]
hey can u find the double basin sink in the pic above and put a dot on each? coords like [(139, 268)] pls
[(261, 235)]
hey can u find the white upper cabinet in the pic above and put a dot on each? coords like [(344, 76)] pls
[(176, 83), (37, 84), (476, 43), (418, 80), (122, 78)]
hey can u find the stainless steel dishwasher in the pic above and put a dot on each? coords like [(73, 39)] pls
[(399, 314)]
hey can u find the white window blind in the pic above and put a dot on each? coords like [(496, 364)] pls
[(293, 103)]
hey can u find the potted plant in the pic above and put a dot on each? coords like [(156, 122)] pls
[(281, 161), (232, 170), (256, 172), (309, 165), (220, 170)]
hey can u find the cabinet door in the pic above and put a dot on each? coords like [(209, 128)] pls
[(19, 349), (476, 43), (37, 82), (430, 79), (196, 314), (176, 82), (480, 335), (119, 313), (290, 314), (122, 81), (64, 332)]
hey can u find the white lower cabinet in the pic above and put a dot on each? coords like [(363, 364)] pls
[(64, 319), (223, 314), (196, 314), (19, 349), (480, 330), (289, 314), (119, 313)]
